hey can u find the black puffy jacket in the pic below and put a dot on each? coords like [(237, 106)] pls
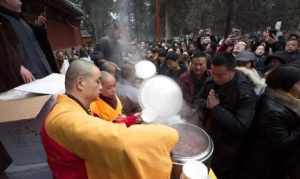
[(229, 122)]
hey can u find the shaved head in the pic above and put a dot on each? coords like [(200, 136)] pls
[(108, 84), (83, 81), (107, 77), (127, 72), (109, 67), (13, 5), (78, 68)]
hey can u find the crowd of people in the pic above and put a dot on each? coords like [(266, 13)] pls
[(246, 90), (243, 89)]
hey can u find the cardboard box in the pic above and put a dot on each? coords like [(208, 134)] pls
[(21, 109), (26, 101), (20, 126)]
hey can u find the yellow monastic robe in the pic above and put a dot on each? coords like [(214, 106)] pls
[(105, 111), (111, 151), (211, 174)]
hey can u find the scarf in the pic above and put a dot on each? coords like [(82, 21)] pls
[(111, 101)]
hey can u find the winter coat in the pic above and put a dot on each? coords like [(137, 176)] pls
[(191, 86), (164, 70), (273, 144), (259, 82), (259, 64), (291, 57), (228, 123)]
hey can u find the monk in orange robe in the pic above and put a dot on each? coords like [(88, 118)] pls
[(80, 146), (108, 106)]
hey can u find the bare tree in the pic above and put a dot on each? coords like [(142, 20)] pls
[(184, 16)]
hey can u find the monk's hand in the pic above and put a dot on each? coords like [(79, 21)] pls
[(41, 21), (120, 118), (212, 100), (26, 75), (139, 118)]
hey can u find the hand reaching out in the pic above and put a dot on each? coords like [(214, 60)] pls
[(26, 75), (41, 21)]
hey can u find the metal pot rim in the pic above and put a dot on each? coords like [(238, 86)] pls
[(200, 157)]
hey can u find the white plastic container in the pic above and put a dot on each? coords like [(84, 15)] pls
[(194, 170)]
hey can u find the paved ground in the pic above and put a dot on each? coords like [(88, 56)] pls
[(22, 141), (36, 171)]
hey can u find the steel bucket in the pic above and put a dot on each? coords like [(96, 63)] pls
[(194, 144)]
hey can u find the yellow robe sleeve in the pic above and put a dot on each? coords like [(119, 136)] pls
[(113, 151)]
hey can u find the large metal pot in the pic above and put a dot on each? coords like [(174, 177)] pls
[(194, 144)]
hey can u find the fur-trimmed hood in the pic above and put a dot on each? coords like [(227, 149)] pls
[(260, 83), (285, 99)]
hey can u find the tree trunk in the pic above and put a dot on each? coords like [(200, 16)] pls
[(229, 16), (157, 21)]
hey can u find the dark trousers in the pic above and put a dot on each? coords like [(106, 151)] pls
[(5, 159)]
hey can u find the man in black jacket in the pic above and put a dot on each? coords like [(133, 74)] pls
[(229, 111)]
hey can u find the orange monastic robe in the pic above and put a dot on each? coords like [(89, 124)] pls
[(109, 151), (104, 111)]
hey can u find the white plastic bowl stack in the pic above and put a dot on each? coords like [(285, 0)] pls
[(194, 170)]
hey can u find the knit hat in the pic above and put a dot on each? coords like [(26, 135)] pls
[(283, 77), (245, 56), (171, 56)]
